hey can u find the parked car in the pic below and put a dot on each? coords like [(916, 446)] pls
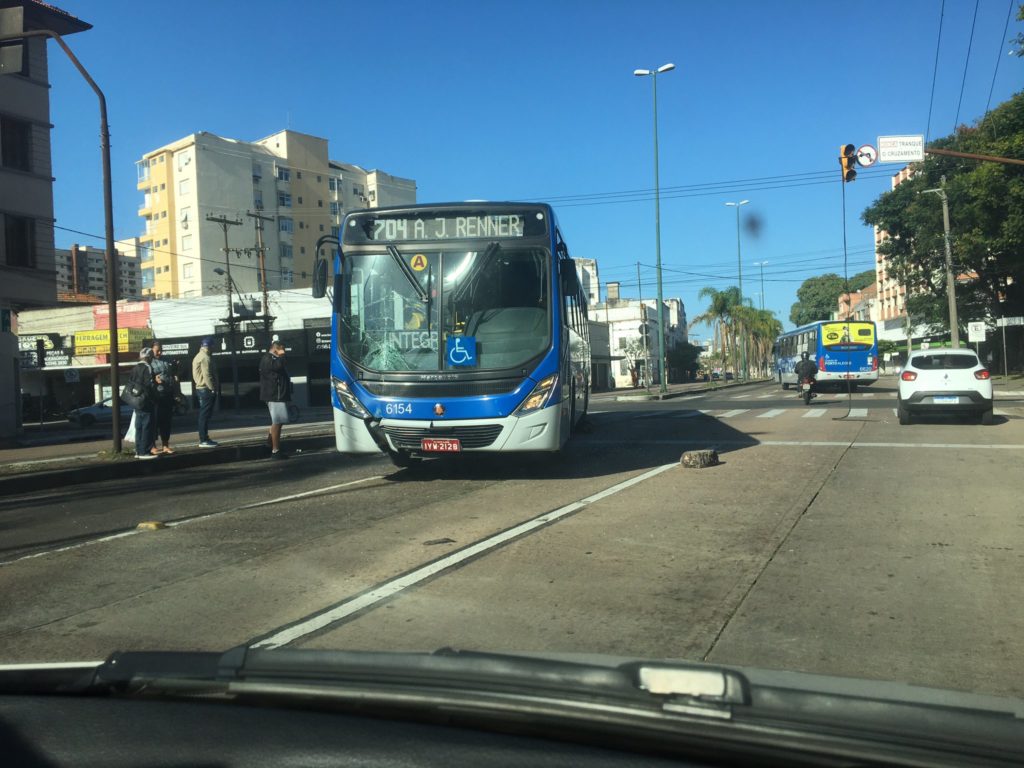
[(98, 413), (944, 381)]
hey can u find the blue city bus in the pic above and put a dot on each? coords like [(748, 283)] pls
[(843, 350), (455, 328)]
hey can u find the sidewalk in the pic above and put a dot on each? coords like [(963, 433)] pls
[(42, 466)]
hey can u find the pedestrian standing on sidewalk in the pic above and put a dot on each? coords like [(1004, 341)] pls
[(166, 389), (204, 384), (142, 388), (276, 392)]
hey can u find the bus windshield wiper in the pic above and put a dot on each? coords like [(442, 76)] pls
[(421, 293)]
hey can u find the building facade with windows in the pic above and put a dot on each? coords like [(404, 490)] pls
[(82, 271), (26, 195), (284, 184)]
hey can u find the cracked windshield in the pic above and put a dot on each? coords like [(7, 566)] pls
[(557, 329)]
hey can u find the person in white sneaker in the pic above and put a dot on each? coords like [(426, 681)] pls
[(204, 384)]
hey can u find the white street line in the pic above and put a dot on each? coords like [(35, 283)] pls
[(814, 414), (771, 414), (868, 394), (186, 521), (741, 397), (894, 412), (315, 492), (730, 414), (765, 397), (391, 588), (858, 413)]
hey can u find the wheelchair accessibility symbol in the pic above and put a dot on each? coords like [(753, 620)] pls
[(461, 351)]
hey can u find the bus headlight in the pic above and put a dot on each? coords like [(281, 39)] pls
[(540, 396), (348, 401)]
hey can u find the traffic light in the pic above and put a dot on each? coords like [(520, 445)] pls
[(848, 161)]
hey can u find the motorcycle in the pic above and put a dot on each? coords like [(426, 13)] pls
[(806, 390)]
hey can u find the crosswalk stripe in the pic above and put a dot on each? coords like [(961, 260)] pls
[(740, 397), (858, 413), (814, 414), (771, 414), (868, 394), (765, 397), (735, 412)]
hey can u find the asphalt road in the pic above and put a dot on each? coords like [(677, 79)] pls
[(830, 539)]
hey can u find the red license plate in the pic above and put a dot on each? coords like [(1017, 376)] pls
[(440, 444)]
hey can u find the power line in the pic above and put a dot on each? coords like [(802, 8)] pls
[(999, 56), (935, 71), (967, 61)]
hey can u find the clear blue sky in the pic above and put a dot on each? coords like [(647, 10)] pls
[(536, 100)]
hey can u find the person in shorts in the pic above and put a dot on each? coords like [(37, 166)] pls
[(276, 392)]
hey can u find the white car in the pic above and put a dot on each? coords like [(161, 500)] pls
[(944, 381)]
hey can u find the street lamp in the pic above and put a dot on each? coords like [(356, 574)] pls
[(231, 329), (739, 264), (653, 74)]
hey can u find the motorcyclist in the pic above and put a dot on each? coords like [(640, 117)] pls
[(805, 369)]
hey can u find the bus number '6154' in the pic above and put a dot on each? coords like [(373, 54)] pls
[(398, 409)]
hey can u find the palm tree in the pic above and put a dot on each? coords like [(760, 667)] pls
[(720, 315), (762, 329)]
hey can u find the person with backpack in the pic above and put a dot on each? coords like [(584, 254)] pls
[(140, 393)]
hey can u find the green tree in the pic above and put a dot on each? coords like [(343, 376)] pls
[(862, 280), (816, 298), (684, 359), (1019, 39), (986, 210)]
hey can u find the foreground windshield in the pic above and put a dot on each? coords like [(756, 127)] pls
[(399, 309)]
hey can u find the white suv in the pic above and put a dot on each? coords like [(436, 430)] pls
[(944, 381)]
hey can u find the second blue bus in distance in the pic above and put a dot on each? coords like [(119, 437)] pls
[(843, 350), (456, 328)]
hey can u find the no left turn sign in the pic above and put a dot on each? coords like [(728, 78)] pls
[(866, 156)]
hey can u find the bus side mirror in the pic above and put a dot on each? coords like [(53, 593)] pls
[(570, 280), (320, 279)]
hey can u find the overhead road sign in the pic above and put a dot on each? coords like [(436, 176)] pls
[(901, 149)]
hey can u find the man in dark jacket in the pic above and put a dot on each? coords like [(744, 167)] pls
[(276, 392), (805, 369)]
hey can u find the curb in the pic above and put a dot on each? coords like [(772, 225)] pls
[(93, 472), (671, 395)]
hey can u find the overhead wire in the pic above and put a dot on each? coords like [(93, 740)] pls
[(999, 56), (935, 71), (967, 61)]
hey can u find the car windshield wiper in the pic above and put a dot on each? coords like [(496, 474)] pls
[(421, 292)]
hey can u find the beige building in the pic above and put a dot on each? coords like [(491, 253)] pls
[(285, 184), (890, 295), (26, 195)]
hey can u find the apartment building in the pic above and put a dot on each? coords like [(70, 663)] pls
[(82, 272), (890, 295), (26, 195), (283, 189)]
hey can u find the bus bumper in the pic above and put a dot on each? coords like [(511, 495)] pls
[(540, 431)]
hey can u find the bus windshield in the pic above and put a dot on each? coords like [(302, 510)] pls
[(398, 308)]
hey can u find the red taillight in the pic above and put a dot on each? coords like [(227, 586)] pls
[(908, 376), (821, 363), (874, 363), (982, 374)]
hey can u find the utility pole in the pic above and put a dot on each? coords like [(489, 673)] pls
[(261, 251), (643, 329), (225, 223), (954, 330)]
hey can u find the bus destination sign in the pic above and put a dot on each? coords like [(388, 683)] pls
[(426, 227)]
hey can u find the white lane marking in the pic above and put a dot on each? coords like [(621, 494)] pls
[(1008, 393), (395, 586), (692, 397), (315, 492), (765, 397), (894, 412), (868, 394), (735, 412), (186, 521), (741, 397), (711, 443), (858, 413), (814, 414), (771, 414)]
